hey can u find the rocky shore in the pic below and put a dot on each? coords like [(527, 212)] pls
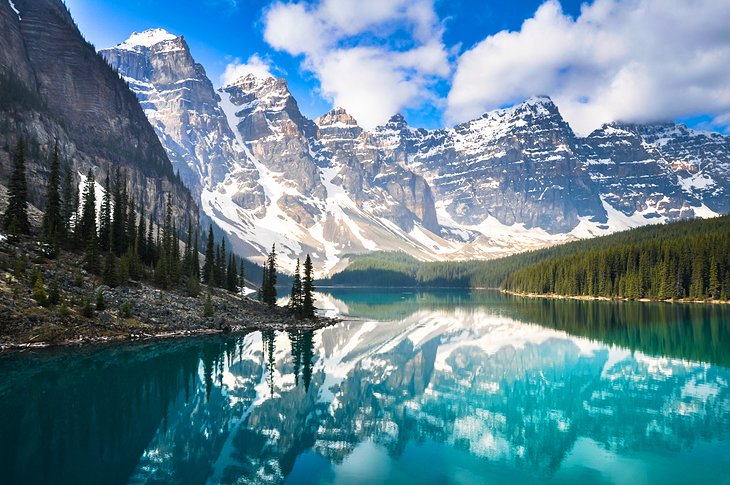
[(133, 311)]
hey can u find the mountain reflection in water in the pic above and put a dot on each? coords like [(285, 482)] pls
[(450, 387)]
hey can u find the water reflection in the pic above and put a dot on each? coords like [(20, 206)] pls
[(446, 388)]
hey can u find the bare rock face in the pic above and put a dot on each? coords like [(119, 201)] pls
[(370, 181), (83, 104), (517, 165), (665, 171)]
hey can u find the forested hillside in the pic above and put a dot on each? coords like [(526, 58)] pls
[(689, 259)]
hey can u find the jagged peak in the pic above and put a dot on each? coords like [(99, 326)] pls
[(251, 82), (147, 38), (336, 116)]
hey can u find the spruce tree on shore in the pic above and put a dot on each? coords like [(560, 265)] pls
[(15, 218), (295, 299), (269, 283), (209, 263), (308, 289)]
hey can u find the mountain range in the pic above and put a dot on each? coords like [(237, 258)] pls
[(514, 179)]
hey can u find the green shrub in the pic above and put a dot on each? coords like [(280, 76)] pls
[(39, 291), (208, 310), (86, 309), (54, 294), (125, 310), (100, 303)]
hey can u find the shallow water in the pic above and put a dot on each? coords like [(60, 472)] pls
[(445, 387)]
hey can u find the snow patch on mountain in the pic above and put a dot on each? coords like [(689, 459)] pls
[(147, 38)]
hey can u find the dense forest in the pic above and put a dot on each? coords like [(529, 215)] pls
[(691, 262), (682, 260)]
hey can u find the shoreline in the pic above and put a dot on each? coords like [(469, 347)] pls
[(141, 336), (555, 296)]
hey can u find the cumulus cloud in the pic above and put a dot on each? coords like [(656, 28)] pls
[(254, 65), (373, 58), (630, 60)]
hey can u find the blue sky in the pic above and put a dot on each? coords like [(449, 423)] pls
[(444, 62)]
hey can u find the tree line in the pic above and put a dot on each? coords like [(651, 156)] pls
[(692, 263)]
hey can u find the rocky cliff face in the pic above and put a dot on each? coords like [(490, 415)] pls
[(83, 103), (511, 180)]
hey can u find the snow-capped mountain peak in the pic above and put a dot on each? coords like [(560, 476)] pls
[(147, 39)]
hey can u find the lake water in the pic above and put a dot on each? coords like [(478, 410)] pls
[(416, 388)]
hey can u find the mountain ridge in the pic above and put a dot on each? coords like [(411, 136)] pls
[(512, 179)]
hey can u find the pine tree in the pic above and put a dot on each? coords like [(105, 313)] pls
[(308, 289), (187, 265), (713, 287), (209, 264), (208, 309), (141, 237), (231, 274), (39, 290), (150, 244), (109, 275), (118, 238), (196, 257), (241, 278), (296, 297), (105, 218), (86, 227), (69, 201), (131, 221), (269, 289), (15, 218), (52, 228)]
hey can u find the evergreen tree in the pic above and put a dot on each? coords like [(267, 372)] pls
[(119, 239), (53, 225), (308, 289), (296, 297), (109, 275), (70, 201), (241, 278), (39, 290), (208, 309), (150, 244), (105, 218), (269, 287), (131, 221), (209, 264), (231, 274), (15, 218), (196, 258), (141, 237), (86, 227), (187, 265)]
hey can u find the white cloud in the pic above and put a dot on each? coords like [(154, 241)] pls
[(254, 65), (632, 60), (350, 47)]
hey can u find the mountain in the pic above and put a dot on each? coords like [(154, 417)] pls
[(514, 179), (62, 90)]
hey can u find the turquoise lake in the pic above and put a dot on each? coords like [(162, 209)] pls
[(412, 387)]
